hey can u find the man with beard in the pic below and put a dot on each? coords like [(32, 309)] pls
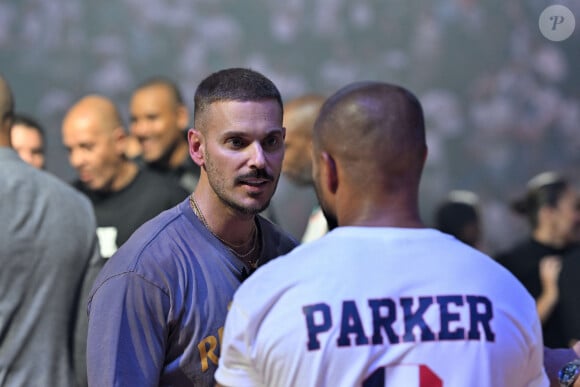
[(380, 300), (158, 307)]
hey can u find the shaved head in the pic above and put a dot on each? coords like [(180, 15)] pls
[(301, 113), (6, 111), (369, 149), (94, 136), (166, 84), (376, 132), (95, 108), (299, 117)]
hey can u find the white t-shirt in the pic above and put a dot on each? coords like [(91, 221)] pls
[(382, 307)]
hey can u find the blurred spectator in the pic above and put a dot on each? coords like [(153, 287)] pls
[(458, 215), (295, 198), (550, 206), (500, 98), (133, 147), (27, 139), (159, 118), (49, 258), (124, 196)]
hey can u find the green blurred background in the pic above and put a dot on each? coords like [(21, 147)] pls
[(502, 102)]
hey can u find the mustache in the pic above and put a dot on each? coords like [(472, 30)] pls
[(255, 174)]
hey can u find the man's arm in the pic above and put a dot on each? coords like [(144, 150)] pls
[(127, 333), (95, 264), (555, 359)]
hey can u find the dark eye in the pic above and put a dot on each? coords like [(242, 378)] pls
[(235, 142), (273, 143)]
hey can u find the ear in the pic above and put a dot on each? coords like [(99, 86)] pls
[(329, 172), (182, 116), (196, 150), (119, 139)]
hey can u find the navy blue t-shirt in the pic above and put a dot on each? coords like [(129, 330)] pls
[(158, 307)]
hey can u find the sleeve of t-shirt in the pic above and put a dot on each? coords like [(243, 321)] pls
[(95, 264), (536, 371), (127, 332), (235, 364)]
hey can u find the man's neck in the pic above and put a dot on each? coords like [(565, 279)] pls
[(225, 222), (127, 172), (379, 210), (180, 152), (546, 236)]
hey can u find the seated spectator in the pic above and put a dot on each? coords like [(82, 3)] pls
[(27, 139), (124, 196)]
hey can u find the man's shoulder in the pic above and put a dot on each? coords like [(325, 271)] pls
[(276, 238), (43, 186), (147, 174), (147, 249), (160, 187)]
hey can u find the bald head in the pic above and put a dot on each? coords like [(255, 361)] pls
[(94, 136), (301, 113), (369, 150), (6, 111), (299, 117), (94, 110), (376, 132)]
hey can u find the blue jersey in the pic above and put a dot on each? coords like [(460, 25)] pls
[(157, 309)]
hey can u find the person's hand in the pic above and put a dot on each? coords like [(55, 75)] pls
[(550, 267), (576, 348)]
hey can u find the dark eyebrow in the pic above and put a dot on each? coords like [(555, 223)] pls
[(238, 133)]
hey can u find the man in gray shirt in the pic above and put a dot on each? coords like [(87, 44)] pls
[(49, 257)]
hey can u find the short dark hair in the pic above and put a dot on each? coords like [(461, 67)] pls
[(29, 122), (451, 217), (234, 84), (544, 189), (159, 80)]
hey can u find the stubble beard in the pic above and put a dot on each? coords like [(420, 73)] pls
[(331, 219), (218, 185)]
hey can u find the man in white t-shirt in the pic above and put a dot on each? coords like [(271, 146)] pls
[(381, 300)]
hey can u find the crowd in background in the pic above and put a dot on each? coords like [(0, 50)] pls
[(501, 101)]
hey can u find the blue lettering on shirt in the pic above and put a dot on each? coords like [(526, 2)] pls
[(407, 313)]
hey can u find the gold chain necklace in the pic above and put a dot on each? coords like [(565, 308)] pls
[(231, 247)]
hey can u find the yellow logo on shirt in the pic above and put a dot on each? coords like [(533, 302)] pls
[(208, 349)]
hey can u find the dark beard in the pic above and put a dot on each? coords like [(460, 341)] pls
[(331, 220), (243, 210)]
